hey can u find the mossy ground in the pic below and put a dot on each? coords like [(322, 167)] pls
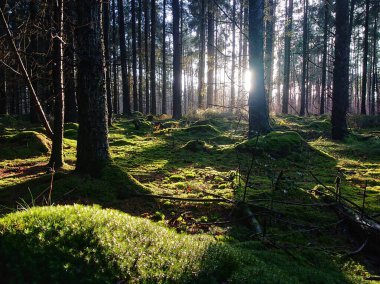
[(159, 156)]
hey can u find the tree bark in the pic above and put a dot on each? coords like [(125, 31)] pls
[(341, 71), (210, 54), (258, 106), (140, 51), (164, 110), (365, 60), (202, 51), (288, 39), (106, 28), (146, 32), (123, 59), (177, 60), (324, 58), (56, 157), (153, 106), (134, 55), (114, 61), (305, 56), (92, 147), (269, 39), (233, 63)]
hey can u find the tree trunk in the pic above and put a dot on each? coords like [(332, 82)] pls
[(153, 107), (288, 39), (134, 55), (92, 147), (114, 59), (374, 66), (146, 32), (270, 24), (106, 28), (341, 71), (201, 72), (233, 55), (56, 156), (123, 59), (164, 110), (305, 56), (139, 39), (177, 60), (324, 58), (258, 106), (210, 54), (365, 60)]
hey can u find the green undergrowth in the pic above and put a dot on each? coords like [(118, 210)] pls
[(24, 144), (206, 155), (93, 245)]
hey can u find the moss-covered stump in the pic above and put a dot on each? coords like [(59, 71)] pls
[(23, 145)]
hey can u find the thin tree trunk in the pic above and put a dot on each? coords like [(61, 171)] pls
[(114, 59), (305, 56), (288, 38), (146, 39), (324, 58), (365, 60), (123, 59), (106, 28), (270, 24), (153, 107), (140, 50), (210, 54), (233, 103), (56, 156), (201, 74), (177, 60), (134, 55), (164, 110), (374, 66)]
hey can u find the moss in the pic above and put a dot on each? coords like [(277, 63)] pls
[(223, 140), (71, 125), (24, 144), (169, 124), (197, 146), (89, 244), (320, 125), (275, 143), (71, 134), (177, 178), (202, 130), (120, 142)]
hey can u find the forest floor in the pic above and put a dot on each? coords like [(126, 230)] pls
[(207, 156)]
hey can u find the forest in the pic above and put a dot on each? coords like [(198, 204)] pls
[(180, 141)]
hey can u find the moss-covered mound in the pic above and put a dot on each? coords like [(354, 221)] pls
[(197, 146), (77, 244), (202, 130), (275, 143), (23, 145)]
